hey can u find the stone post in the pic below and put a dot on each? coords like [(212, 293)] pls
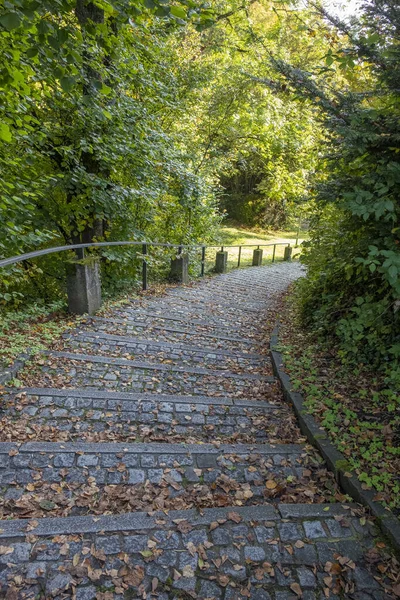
[(84, 286), (287, 253), (257, 257), (180, 269), (221, 261)]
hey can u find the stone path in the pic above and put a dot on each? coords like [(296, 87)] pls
[(151, 455)]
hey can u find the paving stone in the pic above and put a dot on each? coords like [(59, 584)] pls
[(337, 530), (196, 537), (64, 460), (86, 593), (221, 537), (289, 531), (187, 584), (135, 543), (260, 594), (313, 529), (35, 570), (306, 577), (209, 589), (110, 544), (136, 476), (58, 583), (87, 461), (264, 534), (254, 553), (166, 539)]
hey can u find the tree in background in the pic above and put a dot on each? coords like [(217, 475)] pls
[(352, 289)]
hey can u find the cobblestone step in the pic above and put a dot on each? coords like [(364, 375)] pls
[(118, 374), (39, 478), (78, 414), (176, 353), (224, 311), (206, 301), (260, 552), (212, 324), (194, 335)]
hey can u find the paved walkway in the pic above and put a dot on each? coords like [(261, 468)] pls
[(151, 456)]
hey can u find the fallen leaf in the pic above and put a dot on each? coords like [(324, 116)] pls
[(295, 587)]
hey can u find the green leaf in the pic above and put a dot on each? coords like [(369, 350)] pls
[(10, 21), (5, 132), (178, 11), (67, 83), (31, 52)]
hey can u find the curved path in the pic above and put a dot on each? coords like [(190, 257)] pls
[(151, 456)]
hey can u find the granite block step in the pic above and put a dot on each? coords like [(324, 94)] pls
[(176, 353), (60, 479), (85, 414), (118, 374), (194, 335), (213, 324), (232, 553)]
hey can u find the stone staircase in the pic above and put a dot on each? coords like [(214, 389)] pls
[(151, 455)]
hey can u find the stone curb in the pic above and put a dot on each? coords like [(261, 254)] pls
[(145, 397), (150, 448), (99, 337), (122, 362), (138, 521), (143, 325), (335, 460)]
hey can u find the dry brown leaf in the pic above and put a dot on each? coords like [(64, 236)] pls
[(234, 516), (271, 484), (295, 587)]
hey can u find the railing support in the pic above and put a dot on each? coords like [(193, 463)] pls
[(203, 260), (221, 261), (288, 253), (273, 253), (180, 268), (144, 267), (84, 286), (257, 257), (240, 255)]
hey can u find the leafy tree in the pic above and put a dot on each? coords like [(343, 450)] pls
[(353, 286)]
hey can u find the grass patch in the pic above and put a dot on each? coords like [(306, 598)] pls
[(233, 235), (240, 235), (358, 410)]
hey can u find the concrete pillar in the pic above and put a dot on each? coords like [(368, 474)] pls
[(257, 257), (221, 261), (287, 253), (180, 269), (84, 286)]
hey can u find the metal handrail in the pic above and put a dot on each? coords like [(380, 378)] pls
[(17, 259)]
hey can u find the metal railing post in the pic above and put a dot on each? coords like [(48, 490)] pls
[(273, 253), (203, 260), (144, 268), (240, 254)]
